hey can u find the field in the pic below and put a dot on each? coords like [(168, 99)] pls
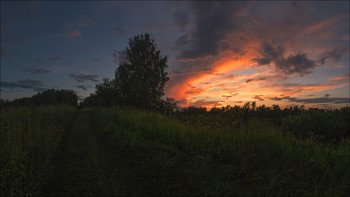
[(63, 151)]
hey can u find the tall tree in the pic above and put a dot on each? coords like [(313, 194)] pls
[(141, 77)]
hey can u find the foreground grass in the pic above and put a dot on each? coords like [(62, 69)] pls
[(124, 152), (29, 137), (159, 156)]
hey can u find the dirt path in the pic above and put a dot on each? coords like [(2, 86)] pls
[(89, 162), (78, 163)]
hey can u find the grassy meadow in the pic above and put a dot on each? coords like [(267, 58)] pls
[(63, 151)]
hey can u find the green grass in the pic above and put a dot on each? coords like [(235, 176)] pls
[(126, 152), (29, 137)]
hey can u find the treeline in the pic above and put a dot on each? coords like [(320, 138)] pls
[(329, 125), (48, 97)]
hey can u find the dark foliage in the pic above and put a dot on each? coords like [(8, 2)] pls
[(139, 80), (48, 97), (329, 125)]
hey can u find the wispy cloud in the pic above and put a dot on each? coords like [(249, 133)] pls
[(6, 53), (119, 30), (85, 77), (95, 60), (31, 84), (326, 99), (73, 29), (73, 33), (258, 97), (37, 70), (50, 60), (333, 55), (82, 87)]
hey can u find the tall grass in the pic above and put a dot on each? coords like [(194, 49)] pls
[(29, 137), (254, 159), (128, 152)]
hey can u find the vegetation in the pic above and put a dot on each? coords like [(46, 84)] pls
[(139, 80), (48, 97), (330, 126), (29, 139), (59, 150)]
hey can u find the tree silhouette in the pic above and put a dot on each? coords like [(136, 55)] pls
[(140, 79)]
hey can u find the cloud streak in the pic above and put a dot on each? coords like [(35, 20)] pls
[(50, 60), (85, 77), (326, 99), (37, 70), (30, 84)]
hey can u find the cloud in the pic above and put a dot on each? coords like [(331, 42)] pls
[(204, 103), (50, 60), (220, 38), (35, 85), (84, 77), (258, 97), (6, 53), (94, 60), (82, 87), (326, 99), (181, 18), (333, 55), (340, 78), (73, 33), (119, 30), (293, 64), (212, 22), (74, 28), (37, 70)]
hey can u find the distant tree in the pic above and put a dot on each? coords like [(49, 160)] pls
[(139, 80), (48, 97), (141, 77), (253, 105), (106, 93)]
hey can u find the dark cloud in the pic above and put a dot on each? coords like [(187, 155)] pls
[(31, 82), (212, 22), (37, 70), (73, 33), (249, 80), (82, 87), (294, 64), (181, 18), (327, 95), (194, 91), (333, 55), (6, 53), (50, 60), (94, 60), (35, 85), (257, 79), (335, 100), (258, 97), (119, 30), (205, 102), (83, 77)]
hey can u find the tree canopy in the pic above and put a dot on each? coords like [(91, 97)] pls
[(48, 97), (139, 80)]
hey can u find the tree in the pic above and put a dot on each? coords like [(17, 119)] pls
[(141, 77)]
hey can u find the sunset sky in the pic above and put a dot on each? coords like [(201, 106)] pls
[(219, 53)]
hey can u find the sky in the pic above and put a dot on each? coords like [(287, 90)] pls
[(219, 53)]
